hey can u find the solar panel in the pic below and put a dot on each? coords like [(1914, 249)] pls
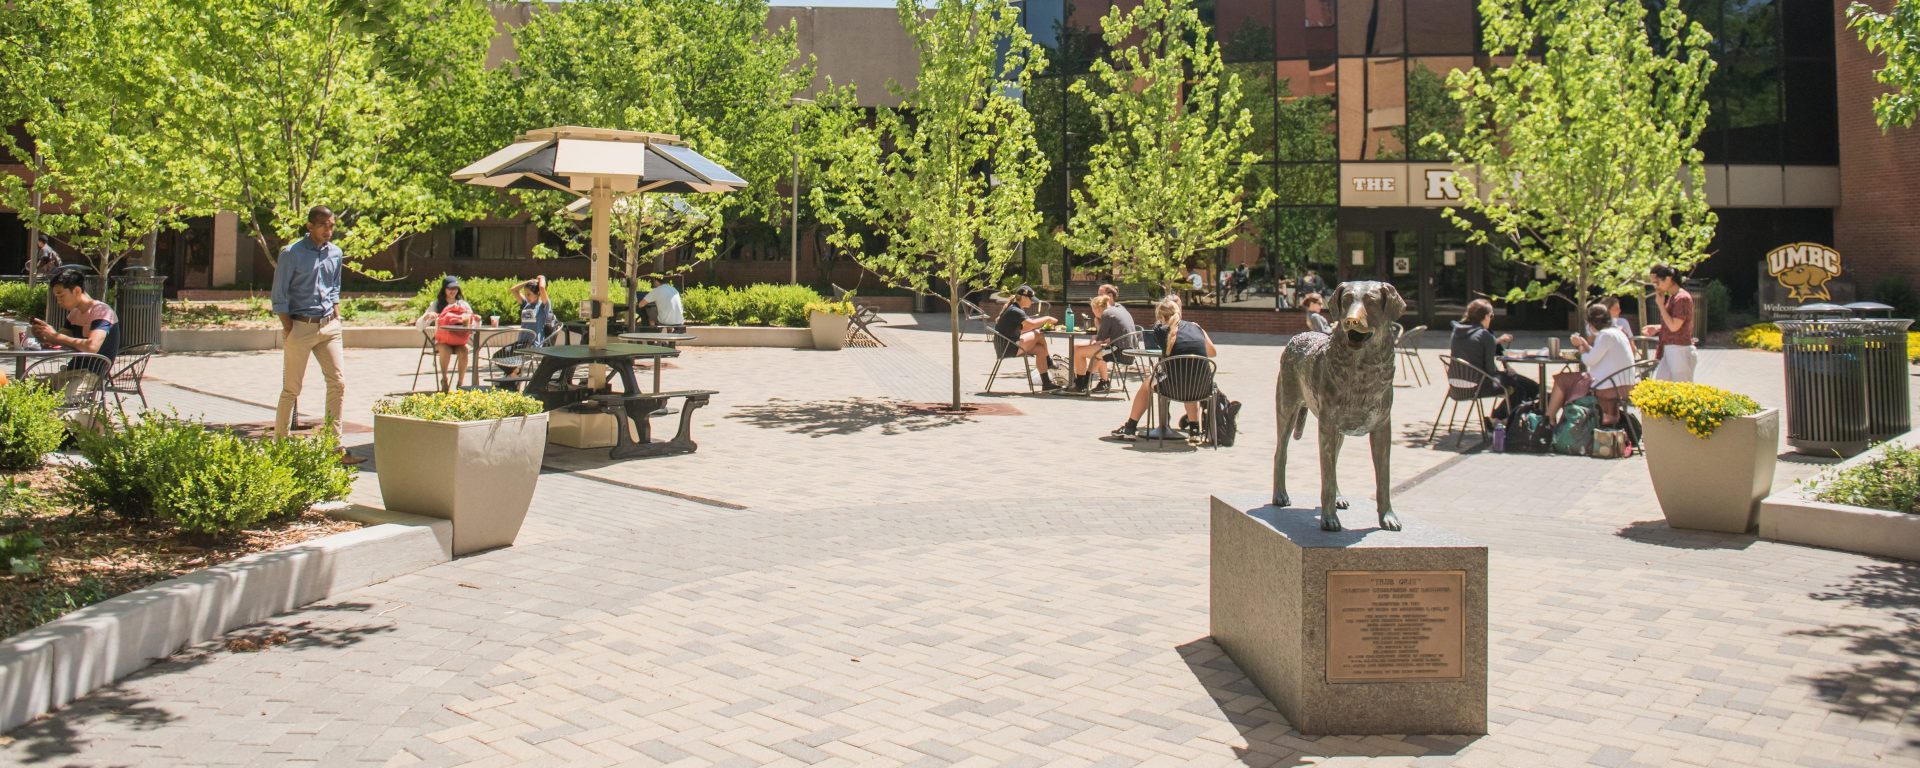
[(699, 164)]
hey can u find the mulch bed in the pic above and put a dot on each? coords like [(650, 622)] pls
[(90, 557)]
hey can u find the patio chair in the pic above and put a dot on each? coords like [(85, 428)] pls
[(1627, 377), (863, 317), (1137, 366), (999, 360), (1464, 384), (125, 380), (426, 353), (1186, 379), (973, 312), (77, 377), (1411, 364)]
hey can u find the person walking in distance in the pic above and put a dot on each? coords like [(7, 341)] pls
[(1675, 329), (306, 297)]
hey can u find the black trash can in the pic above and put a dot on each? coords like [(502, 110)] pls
[(1889, 403), (139, 301), (1826, 377)]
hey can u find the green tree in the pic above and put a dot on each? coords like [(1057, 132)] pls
[(1162, 183), (85, 86), (1895, 35), (1430, 109), (1579, 161), (954, 192), (707, 71), (361, 105)]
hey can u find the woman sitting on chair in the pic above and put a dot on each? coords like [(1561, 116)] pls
[(449, 309), (1177, 337), (1606, 352)]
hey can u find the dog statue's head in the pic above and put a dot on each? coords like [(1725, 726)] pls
[(1365, 308)]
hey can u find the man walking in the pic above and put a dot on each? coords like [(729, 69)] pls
[(1675, 329), (306, 295)]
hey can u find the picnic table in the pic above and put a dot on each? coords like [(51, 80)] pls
[(551, 385)]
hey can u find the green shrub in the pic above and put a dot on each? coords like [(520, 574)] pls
[(1896, 292), (22, 301), (19, 553), (1891, 482), (1718, 303), (30, 427), (201, 480), (494, 296), (761, 304), (465, 405)]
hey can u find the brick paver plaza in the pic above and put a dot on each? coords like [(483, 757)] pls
[(833, 579)]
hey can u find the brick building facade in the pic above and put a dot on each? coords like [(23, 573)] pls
[(1877, 226)]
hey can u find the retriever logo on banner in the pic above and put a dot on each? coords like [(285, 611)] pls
[(1804, 269)]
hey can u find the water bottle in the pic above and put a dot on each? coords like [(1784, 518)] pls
[(1499, 437), (1069, 320)]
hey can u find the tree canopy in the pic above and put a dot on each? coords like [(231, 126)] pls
[(1895, 35), (1163, 182), (1583, 161)]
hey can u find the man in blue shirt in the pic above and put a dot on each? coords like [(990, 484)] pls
[(306, 295)]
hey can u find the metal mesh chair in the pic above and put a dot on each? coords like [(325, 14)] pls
[(1411, 365), (426, 353), (125, 380), (80, 378), (1627, 377), (1119, 364), (1000, 359), (1466, 383), (1186, 379)]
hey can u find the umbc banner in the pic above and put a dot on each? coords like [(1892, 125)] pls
[(1802, 273)]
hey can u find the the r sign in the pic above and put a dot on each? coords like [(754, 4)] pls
[(1440, 185)]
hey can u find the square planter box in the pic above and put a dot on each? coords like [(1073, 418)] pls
[(478, 474), (1714, 484), (829, 330)]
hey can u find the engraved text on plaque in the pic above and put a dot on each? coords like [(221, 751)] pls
[(1395, 626)]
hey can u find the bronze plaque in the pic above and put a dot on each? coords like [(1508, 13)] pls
[(1396, 626)]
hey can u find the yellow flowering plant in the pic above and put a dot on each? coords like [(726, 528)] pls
[(462, 405), (1767, 336), (1700, 407)]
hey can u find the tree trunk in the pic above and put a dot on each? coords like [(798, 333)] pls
[(953, 335)]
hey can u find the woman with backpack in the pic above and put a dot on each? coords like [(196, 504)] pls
[(1178, 337), (449, 313)]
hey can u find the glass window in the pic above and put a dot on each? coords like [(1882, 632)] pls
[(1373, 108), (1750, 28), (1304, 29), (1300, 239), (1243, 27), (1307, 184), (1812, 125), (1440, 26), (1752, 109), (1430, 108), (1256, 96), (1371, 27), (1808, 27), (1304, 120), (1713, 138)]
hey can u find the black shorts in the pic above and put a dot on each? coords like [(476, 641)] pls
[(1117, 356)]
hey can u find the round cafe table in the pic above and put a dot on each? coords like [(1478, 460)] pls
[(1536, 358), (21, 357)]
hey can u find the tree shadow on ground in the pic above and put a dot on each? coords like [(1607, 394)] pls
[(1884, 685), (1657, 532), (1270, 739), (59, 735), (823, 418)]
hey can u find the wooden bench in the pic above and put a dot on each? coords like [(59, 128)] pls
[(639, 408)]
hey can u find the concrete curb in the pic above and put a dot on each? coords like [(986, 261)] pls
[(48, 667), (1794, 517)]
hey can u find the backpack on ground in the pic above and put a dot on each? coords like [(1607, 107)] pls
[(1573, 436), (1527, 430), (1228, 412)]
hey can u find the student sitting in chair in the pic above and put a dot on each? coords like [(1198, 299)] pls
[(1018, 335)]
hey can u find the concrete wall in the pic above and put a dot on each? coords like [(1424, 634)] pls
[(1876, 227)]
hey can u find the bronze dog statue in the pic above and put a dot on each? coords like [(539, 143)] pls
[(1346, 379)]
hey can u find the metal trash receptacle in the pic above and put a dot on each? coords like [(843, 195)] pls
[(140, 301), (1826, 378)]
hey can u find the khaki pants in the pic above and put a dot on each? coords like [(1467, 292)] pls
[(323, 342)]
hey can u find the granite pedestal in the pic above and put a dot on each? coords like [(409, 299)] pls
[(1353, 632)]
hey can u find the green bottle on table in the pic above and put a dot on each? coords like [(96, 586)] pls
[(1069, 319)]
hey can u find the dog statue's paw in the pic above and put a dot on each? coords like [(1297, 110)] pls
[(1281, 499), (1329, 522), (1389, 521), (1340, 503)]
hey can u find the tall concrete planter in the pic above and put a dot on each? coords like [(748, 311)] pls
[(478, 474), (829, 329), (1714, 484)]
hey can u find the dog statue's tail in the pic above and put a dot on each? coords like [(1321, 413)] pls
[(1300, 423)]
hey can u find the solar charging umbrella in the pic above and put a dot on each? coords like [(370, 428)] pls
[(600, 164)]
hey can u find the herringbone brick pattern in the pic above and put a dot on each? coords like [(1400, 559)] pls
[(837, 583)]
